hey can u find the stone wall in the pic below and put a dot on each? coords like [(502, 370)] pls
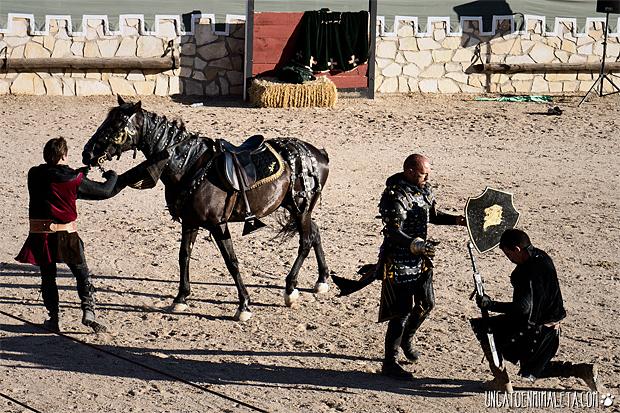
[(211, 62), (436, 61)]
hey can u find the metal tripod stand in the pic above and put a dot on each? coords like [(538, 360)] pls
[(602, 75)]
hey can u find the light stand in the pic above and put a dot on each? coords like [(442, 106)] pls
[(602, 75)]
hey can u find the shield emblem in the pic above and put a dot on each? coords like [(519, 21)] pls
[(488, 216)]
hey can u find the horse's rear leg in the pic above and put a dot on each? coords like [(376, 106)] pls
[(188, 238), (321, 285), (224, 243)]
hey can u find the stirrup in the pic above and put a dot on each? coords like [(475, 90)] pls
[(252, 224)]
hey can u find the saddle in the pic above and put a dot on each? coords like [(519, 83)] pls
[(240, 172), (238, 161)]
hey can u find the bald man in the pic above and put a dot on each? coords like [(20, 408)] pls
[(407, 206)]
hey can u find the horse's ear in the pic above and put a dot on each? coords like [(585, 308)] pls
[(138, 105), (120, 100)]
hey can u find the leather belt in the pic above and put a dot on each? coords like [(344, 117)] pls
[(554, 325), (46, 226)]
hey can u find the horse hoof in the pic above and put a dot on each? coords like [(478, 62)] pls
[(321, 288), (178, 307), (292, 298), (243, 315)]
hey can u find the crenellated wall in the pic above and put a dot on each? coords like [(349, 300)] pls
[(211, 61), (437, 61)]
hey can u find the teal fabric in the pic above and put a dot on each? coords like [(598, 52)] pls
[(530, 98)]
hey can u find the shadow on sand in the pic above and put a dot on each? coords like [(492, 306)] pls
[(24, 351)]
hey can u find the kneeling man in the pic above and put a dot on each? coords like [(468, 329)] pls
[(528, 330)]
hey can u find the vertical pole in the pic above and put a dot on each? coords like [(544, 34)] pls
[(249, 46), (372, 8), (602, 74)]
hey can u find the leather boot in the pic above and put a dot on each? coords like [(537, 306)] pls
[(49, 290), (89, 320), (501, 380), (390, 367), (52, 324), (587, 372), (86, 291), (424, 303), (414, 321)]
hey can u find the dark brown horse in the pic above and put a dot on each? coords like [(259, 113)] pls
[(200, 194)]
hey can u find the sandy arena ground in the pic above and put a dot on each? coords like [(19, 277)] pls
[(564, 172)]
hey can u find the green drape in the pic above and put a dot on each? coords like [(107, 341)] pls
[(333, 40)]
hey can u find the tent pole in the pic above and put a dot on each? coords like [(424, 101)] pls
[(249, 46), (372, 8)]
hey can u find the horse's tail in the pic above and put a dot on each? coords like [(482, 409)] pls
[(288, 226)]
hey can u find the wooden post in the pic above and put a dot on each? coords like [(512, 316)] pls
[(88, 63), (542, 67), (249, 47), (372, 7)]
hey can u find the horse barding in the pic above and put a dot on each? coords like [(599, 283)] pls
[(209, 183)]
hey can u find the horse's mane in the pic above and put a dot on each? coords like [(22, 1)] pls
[(178, 123)]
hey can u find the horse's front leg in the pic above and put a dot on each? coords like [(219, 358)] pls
[(304, 226), (188, 238), (321, 285), (224, 243)]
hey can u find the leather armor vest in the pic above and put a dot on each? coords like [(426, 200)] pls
[(407, 208)]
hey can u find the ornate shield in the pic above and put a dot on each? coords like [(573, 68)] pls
[(488, 216)]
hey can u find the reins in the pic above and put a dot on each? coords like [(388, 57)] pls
[(127, 133)]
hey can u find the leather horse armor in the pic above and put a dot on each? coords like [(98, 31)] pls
[(304, 171), (242, 167)]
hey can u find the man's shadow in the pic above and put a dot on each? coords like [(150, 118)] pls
[(26, 347)]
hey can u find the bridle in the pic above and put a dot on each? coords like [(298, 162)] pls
[(129, 132)]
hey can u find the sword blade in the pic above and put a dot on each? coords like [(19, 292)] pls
[(493, 350)]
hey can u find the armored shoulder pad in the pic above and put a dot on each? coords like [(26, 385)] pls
[(393, 204)]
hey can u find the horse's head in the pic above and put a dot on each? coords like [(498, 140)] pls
[(119, 132)]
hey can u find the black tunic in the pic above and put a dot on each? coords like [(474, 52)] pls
[(525, 332)]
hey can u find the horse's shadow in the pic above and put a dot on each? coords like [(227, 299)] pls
[(24, 270), (23, 351), (8, 269)]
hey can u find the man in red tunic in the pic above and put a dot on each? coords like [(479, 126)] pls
[(54, 188)]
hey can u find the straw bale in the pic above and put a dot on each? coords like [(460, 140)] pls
[(267, 93)]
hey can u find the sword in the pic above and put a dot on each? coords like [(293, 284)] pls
[(479, 291)]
